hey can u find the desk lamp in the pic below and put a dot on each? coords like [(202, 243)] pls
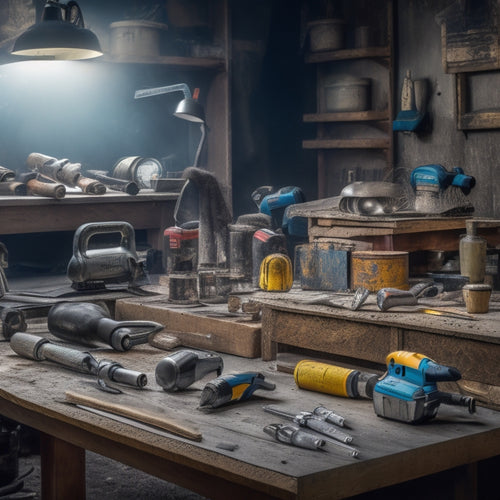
[(188, 109), (60, 34)]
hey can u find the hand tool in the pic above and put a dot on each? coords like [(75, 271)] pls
[(329, 416), (126, 186), (182, 368), (90, 186), (162, 421), (37, 187), (294, 435), (232, 388), (393, 297), (58, 170), (354, 303), (13, 188), (408, 392), (13, 320), (94, 267), (87, 323), (6, 175), (336, 380), (311, 421), (41, 349)]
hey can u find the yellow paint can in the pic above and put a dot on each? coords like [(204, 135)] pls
[(374, 270)]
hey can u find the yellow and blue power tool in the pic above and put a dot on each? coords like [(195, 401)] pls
[(408, 391), (232, 388)]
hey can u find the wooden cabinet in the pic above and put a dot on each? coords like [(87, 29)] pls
[(356, 143)]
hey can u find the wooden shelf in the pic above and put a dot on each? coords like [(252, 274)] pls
[(357, 116), (364, 143), (181, 62), (344, 54)]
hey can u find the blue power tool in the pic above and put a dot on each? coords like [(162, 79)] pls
[(274, 204), (408, 391), (232, 388)]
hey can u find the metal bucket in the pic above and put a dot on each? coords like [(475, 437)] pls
[(349, 94), (379, 269), (326, 34)]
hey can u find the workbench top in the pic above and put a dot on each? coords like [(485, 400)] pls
[(390, 452)]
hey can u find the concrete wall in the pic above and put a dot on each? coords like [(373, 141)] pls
[(418, 48)]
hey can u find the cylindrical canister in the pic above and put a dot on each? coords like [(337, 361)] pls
[(472, 251), (332, 379), (477, 297), (374, 270), (180, 249)]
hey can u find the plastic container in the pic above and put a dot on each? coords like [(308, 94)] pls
[(348, 94), (326, 34), (136, 38)]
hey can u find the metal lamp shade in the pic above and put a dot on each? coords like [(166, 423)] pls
[(191, 110), (57, 40)]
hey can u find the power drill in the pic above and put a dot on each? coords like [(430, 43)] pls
[(408, 391), (232, 388)]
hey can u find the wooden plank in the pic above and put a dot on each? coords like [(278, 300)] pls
[(365, 143), (227, 334), (337, 55), (371, 115)]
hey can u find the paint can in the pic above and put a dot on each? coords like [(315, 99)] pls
[(136, 38), (374, 270), (326, 34)]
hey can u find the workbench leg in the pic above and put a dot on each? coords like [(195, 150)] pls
[(63, 469), (268, 347), (465, 486)]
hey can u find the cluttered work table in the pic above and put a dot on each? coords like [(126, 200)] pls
[(228, 454)]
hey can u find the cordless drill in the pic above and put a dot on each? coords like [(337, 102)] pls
[(408, 391)]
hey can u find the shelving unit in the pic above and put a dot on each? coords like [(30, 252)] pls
[(358, 145)]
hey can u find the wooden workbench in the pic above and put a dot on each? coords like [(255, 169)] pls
[(35, 214), (235, 458), (473, 346), (400, 231)]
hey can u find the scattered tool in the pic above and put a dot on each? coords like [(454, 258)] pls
[(90, 186), (40, 188), (312, 421), (182, 368), (233, 388), (58, 170), (13, 188), (393, 297), (294, 435), (91, 268), (408, 391), (431, 181), (409, 118), (87, 323), (335, 380), (41, 349), (158, 420), (126, 186), (13, 320), (353, 304)]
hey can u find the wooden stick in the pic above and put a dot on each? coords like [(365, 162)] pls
[(140, 415)]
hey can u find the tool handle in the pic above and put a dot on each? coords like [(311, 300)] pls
[(40, 349), (141, 415), (327, 429), (90, 186), (50, 190)]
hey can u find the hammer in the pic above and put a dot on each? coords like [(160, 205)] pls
[(37, 187)]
